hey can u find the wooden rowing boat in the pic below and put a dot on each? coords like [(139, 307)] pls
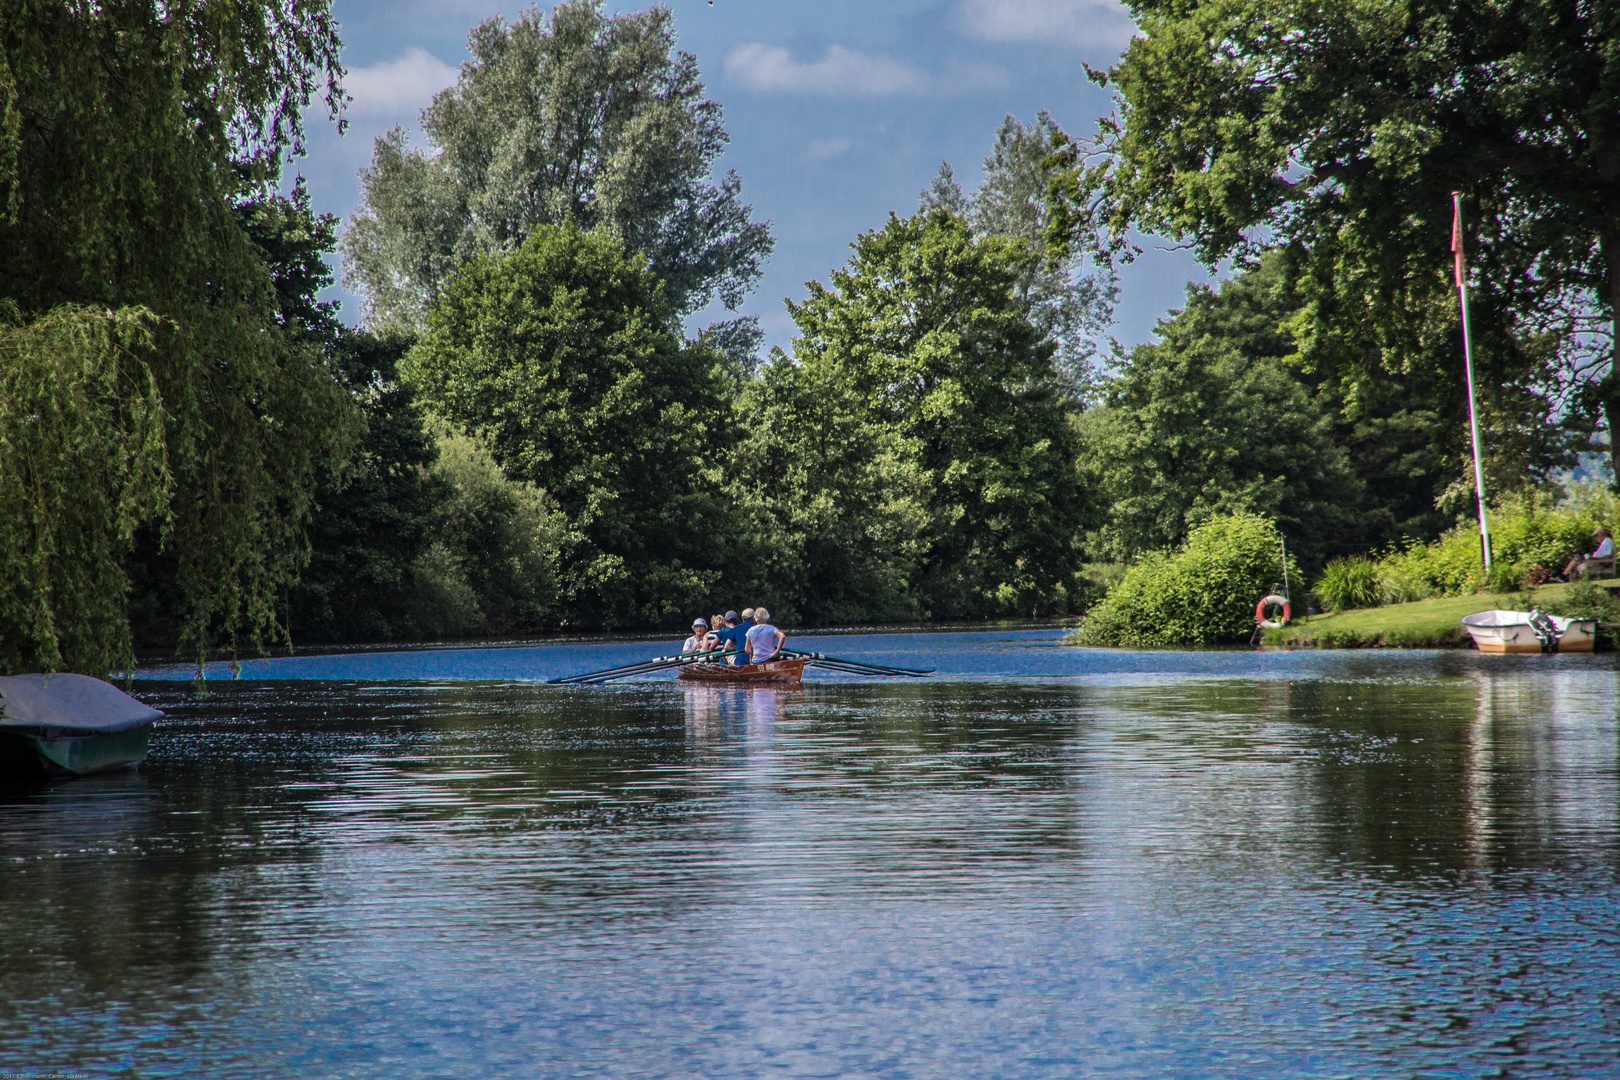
[(770, 673)]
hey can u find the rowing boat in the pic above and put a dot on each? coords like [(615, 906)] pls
[(770, 673)]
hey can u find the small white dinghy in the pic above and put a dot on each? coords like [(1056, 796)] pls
[(1499, 631), (70, 725)]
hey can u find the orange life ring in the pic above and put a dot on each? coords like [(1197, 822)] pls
[(1273, 624)]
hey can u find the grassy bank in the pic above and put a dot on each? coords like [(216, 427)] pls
[(1423, 624)]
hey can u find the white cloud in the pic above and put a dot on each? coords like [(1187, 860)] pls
[(399, 87), (1103, 24), (822, 149), (843, 72)]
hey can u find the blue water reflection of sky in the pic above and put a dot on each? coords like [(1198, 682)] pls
[(956, 655)]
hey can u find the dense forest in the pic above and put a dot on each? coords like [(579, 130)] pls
[(523, 435)]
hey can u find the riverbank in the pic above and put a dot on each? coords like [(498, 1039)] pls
[(1422, 624)]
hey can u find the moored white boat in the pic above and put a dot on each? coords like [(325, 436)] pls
[(1500, 631)]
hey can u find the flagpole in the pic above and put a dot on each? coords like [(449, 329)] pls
[(1468, 367)]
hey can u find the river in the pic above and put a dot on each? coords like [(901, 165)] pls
[(1043, 861)]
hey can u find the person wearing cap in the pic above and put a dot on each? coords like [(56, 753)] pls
[(732, 638), (700, 634), (764, 640)]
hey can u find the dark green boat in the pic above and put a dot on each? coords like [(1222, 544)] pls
[(69, 725)]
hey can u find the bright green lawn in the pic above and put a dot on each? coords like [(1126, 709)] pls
[(1423, 624)]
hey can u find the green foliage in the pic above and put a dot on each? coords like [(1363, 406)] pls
[(1203, 593), (1584, 600), (1339, 131), (1194, 431), (564, 356), (491, 568), (1065, 300), (1219, 414), (1404, 438), (1352, 582), (129, 136), (1531, 539), (81, 466), (578, 118), (378, 512), (919, 444)]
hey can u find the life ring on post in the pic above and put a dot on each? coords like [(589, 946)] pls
[(1278, 601)]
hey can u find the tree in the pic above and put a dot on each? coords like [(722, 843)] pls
[(491, 568), (1403, 444), (81, 467), (1339, 131), (565, 356), (581, 118), (923, 334), (1064, 301), (379, 511), (1195, 429), (130, 136)]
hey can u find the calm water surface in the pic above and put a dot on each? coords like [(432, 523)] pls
[(1043, 862)]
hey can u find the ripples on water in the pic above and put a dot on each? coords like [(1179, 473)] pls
[(1045, 861)]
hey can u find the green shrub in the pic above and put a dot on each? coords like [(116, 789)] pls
[(1201, 594), (1351, 582), (1584, 600), (1531, 539)]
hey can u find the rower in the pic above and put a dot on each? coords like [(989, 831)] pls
[(700, 634), (764, 640), (733, 638)]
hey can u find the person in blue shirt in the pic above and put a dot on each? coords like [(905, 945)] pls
[(732, 638)]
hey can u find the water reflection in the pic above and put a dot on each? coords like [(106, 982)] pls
[(1397, 870)]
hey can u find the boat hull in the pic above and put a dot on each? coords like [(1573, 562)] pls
[(1510, 632), (66, 754), (770, 673)]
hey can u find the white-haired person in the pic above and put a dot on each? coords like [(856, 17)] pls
[(764, 640), (1604, 555), (700, 635)]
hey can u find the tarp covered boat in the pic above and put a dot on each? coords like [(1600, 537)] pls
[(70, 725), (1500, 631), (770, 673)]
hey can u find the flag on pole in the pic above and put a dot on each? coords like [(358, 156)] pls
[(1457, 242)]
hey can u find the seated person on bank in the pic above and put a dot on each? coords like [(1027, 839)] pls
[(764, 640), (1599, 561)]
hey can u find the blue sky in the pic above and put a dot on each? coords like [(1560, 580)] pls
[(839, 111)]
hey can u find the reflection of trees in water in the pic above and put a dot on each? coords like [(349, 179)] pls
[(1503, 770), (1475, 768), (131, 894)]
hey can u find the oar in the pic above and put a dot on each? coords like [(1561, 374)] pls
[(848, 669), (861, 666), (644, 667)]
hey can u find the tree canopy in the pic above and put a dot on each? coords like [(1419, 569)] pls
[(919, 362), (1065, 299), (578, 118), (566, 357), (132, 138), (1340, 130)]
